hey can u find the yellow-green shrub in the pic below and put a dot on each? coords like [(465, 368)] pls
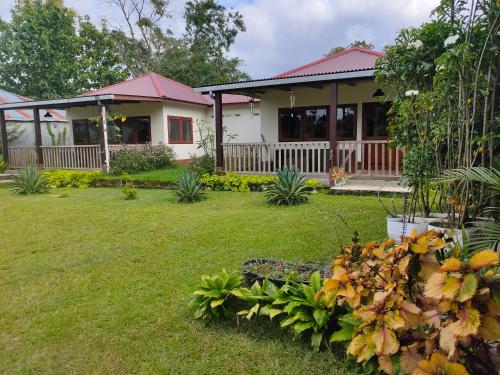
[(78, 179), (236, 182)]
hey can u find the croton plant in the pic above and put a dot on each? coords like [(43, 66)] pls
[(418, 307)]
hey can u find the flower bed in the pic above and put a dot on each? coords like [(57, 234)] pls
[(277, 271)]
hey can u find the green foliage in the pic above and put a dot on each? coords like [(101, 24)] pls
[(143, 158), (348, 325), (213, 295), (235, 182), (3, 165), (67, 178), (188, 188), (129, 191), (288, 189), (355, 44), (30, 181), (202, 165)]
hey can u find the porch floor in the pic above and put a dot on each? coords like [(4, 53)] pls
[(371, 185)]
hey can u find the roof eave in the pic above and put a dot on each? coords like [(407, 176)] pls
[(58, 103), (285, 81)]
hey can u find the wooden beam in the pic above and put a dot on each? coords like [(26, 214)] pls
[(317, 87), (38, 136), (3, 130), (219, 155), (333, 123)]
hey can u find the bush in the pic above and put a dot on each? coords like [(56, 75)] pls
[(30, 181), (202, 164), (76, 179), (3, 165), (129, 191), (143, 158), (188, 188), (289, 189), (235, 182)]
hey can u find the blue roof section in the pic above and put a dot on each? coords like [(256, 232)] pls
[(53, 115)]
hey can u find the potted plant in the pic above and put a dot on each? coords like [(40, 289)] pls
[(338, 176)]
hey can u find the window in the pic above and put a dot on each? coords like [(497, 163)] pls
[(303, 124), (346, 121), (85, 132), (180, 129), (375, 120), (134, 130)]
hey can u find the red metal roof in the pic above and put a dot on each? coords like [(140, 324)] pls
[(156, 86), (351, 59)]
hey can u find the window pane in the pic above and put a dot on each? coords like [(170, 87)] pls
[(80, 135), (375, 117), (128, 133), (143, 130), (186, 131), (94, 137), (346, 121), (290, 124), (174, 133), (316, 123)]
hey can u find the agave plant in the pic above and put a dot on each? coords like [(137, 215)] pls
[(188, 188), (30, 181), (288, 189)]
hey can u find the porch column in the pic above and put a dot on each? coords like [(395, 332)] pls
[(38, 136), (104, 139), (333, 123), (3, 130), (219, 156)]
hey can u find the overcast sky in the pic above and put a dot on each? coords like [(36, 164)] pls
[(283, 34)]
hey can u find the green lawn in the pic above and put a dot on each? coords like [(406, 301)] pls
[(163, 175), (95, 284)]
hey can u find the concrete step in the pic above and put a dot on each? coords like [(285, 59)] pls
[(6, 176), (371, 185), (6, 181)]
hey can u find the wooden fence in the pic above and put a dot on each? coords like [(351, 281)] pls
[(72, 157)]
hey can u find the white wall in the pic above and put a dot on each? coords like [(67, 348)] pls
[(238, 120), (26, 132)]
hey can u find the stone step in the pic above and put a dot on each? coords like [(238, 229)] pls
[(6, 176), (372, 185)]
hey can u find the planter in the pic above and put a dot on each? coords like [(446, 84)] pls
[(340, 181), (453, 234), (277, 271), (395, 228)]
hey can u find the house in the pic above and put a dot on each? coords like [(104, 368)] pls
[(22, 130), (148, 109), (328, 113)]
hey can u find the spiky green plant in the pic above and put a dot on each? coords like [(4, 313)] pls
[(288, 189), (188, 188), (30, 181)]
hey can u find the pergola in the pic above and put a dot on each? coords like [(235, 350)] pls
[(100, 101)]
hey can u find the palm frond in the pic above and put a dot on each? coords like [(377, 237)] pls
[(487, 237), (490, 177)]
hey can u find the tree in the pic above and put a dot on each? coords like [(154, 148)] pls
[(46, 53), (355, 44)]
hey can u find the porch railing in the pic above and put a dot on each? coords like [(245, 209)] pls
[(22, 157), (72, 157), (356, 157)]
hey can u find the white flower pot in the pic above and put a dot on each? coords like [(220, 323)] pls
[(454, 233), (395, 228)]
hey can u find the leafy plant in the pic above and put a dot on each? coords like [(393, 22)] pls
[(76, 179), (202, 164), (3, 165), (236, 182), (213, 294), (129, 190), (188, 188), (142, 158), (288, 189), (30, 181)]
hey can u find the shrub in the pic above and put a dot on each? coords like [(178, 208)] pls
[(76, 179), (213, 295), (202, 164), (288, 189), (30, 181), (3, 165), (188, 188), (235, 182), (143, 158), (129, 191)]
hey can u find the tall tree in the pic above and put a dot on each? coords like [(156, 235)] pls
[(355, 44)]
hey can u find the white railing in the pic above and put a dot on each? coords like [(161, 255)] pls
[(72, 157), (22, 157), (356, 157), (307, 157), (372, 158)]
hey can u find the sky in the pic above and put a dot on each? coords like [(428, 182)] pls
[(284, 34)]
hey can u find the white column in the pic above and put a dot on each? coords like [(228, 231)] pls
[(105, 131)]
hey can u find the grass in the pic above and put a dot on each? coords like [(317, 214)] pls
[(92, 283), (169, 174)]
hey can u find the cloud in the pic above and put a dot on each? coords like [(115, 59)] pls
[(283, 34)]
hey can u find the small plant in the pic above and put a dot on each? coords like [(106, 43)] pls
[(289, 189), (129, 190), (313, 184), (202, 164), (213, 294), (3, 165), (66, 179), (188, 188), (338, 176), (30, 181)]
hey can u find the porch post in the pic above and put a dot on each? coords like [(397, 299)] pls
[(104, 139), (333, 123), (38, 137), (3, 130), (219, 156)]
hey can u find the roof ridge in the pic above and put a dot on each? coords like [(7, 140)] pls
[(203, 97), (113, 85), (156, 84), (329, 57)]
